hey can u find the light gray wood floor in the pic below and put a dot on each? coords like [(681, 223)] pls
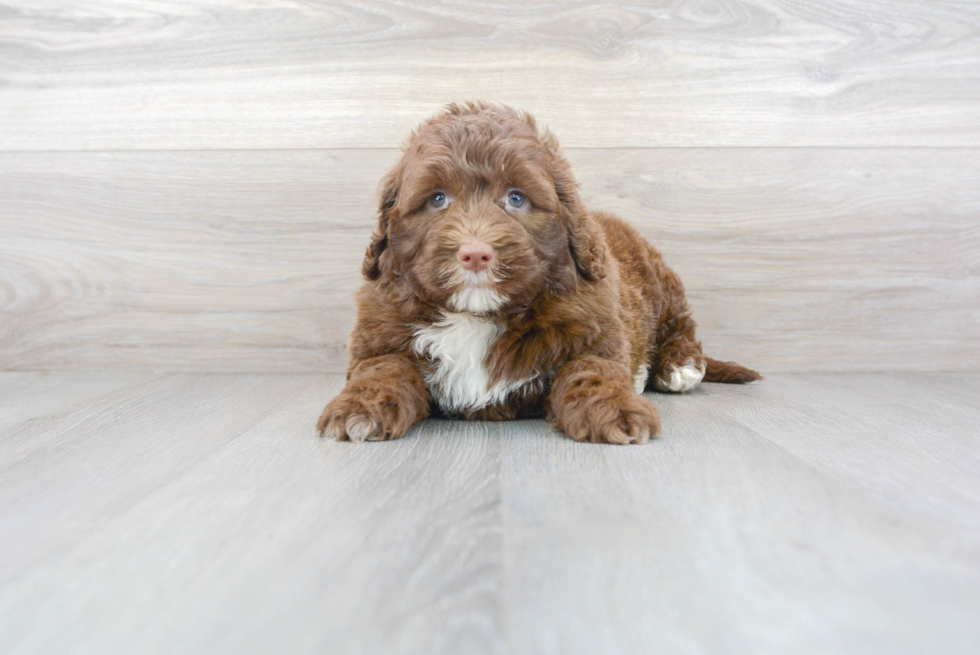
[(197, 513)]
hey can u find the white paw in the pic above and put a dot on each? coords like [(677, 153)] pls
[(683, 378)]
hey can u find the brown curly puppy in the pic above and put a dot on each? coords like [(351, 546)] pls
[(493, 293)]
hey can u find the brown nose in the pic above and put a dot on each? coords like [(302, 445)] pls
[(475, 256)]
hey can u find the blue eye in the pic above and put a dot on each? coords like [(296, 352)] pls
[(438, 199), (516, 199)]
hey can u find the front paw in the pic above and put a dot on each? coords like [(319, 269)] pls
[(363, 416), (621, 417)]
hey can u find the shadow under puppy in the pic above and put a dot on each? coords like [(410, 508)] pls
[(493, 293)]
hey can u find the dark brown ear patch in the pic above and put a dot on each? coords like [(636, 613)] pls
[(585, 238), (371, 268), (588, 247), (584, 235)]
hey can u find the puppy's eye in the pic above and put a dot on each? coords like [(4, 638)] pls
[(438, 200), (516, 199)]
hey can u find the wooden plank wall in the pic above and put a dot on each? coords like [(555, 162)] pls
[(190, 185)]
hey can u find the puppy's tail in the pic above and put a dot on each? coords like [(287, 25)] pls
[(729, 372)]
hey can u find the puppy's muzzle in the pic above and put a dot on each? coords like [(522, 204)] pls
[(475, 256)]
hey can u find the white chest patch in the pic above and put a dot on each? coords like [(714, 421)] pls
[(640, 378), (458, 345)]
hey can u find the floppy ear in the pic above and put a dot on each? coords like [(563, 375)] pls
[(371, 268), (588, 247), (585, 237)]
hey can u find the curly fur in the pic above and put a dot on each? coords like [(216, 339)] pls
[(575, 316)]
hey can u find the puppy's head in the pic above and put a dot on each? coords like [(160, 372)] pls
[(482, 215)]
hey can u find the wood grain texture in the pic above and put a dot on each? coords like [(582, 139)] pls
[(203, 74), (198, 513), (202, 514), (794, 259), (765, 520)]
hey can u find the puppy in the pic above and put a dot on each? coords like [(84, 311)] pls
[(493, 293)]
